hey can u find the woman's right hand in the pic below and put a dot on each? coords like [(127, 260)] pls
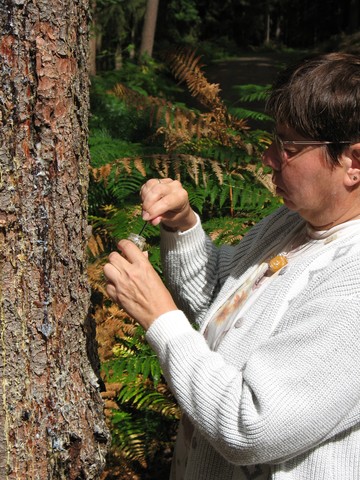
[(165, 200)]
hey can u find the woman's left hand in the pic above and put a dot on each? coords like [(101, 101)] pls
[(134, 284)]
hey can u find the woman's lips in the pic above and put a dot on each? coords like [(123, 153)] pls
[(278, 189)]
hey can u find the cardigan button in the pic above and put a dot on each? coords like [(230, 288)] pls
[(239, 323)]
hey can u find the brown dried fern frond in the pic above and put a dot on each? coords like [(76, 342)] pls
[(159, 108), (131, 97), (162, 167), (239, 124), (218, 170), (187, 68), (169, 165), (173, 139), (101, 174), (111, 321), (139, 165), (172, 165), (181, 125), (96, 276), (95, 245), (194, 164), (264, 178)]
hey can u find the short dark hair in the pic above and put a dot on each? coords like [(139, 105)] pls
[(319, 97)]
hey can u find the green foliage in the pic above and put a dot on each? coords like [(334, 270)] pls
[(146, 422), (136, 359), (251, 93), (118, 26), (142, 438), (116, 117), (183, 22)]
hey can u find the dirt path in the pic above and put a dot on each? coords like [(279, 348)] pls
[(248, 69), (258, 69)]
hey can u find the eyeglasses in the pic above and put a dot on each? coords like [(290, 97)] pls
[(287, 148)]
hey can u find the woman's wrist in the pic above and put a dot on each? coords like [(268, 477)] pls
[(186, 224)]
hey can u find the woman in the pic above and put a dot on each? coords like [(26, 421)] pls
[(269, 379)]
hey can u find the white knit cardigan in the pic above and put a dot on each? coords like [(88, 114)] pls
[(287, 397)]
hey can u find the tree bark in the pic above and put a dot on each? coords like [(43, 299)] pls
[(51, 412), (149, 28)]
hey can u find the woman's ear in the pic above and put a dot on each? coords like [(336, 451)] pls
[(350, 160)]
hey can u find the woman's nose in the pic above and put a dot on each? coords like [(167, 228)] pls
[(271, 158)]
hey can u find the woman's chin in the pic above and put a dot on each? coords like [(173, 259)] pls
[(290, 205)]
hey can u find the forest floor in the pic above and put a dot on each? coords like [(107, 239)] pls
[(250, 68)]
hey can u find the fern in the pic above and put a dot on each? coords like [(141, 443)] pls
[(246, 113), (136, 357), (251, 93), (129, 434), (142, 395)]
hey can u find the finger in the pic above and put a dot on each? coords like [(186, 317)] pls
[(157, 205), (149, 185), (152, 191), (153, 185), (130, 253), (164, 197), (111, 273), (171, 204), (164, 180), (117, 260), (111, 291)]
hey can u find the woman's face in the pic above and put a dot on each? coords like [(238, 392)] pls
[(304, 178)]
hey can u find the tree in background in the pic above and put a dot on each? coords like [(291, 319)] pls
[(117, 28), (51, 412), (182, 23), (149, 28), (230, 24)]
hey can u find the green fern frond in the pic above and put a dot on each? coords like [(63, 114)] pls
[(129, 433), (105, 149), (242, 113), (251, 92)]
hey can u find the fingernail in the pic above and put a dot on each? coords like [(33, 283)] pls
[(145, 216)]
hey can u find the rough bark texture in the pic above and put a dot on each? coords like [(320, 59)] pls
[(51, 412)]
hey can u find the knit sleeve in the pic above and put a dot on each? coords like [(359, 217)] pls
[(298, 388), (195, 269), (189, 261)]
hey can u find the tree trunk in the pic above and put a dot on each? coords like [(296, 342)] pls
[(149, 28), (118, 58), (51, 412)]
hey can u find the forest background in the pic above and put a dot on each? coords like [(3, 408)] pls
[(183, 97)]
